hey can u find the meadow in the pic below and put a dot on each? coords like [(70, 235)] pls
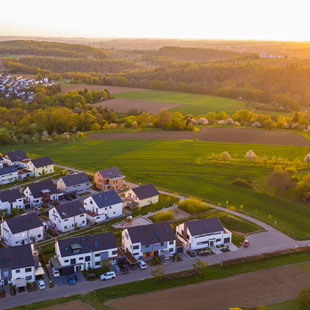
[(173, 165), (195, 104)]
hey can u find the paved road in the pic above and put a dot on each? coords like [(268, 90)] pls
[(270, 240)]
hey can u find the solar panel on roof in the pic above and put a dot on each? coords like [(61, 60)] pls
[(96, 245)]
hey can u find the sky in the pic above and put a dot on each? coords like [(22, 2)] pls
[(285, 20)]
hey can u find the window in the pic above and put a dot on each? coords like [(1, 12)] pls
[(171, 241), (146, 246), (72, 261), (97, 255), (81, 215), (28, 278), (97, 263), (39, 235), (81, 258), (28, 269), (66, 260), (171, 250), (162, 244), (135, 254), (218, 240), (17, 270), (87, 258), (135, 247), (114, 252)]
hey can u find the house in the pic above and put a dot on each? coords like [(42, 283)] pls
[(17, 265), (103, 206), (22, 229), (10, 199), (84, 252), (42, 192), (41, 166), (1, 162), (149, 240), (68, 216), (204, 233), (15, 158), (143, 195), (8, 175), (109, 179), (74, 183)]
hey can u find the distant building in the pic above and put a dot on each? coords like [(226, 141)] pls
[(109, 179), (10, 199), (41, 166), (1, 161), (8, 175), (143, 195), (15, 158), (74, 183)]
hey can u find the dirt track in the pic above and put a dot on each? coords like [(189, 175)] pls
[(72, 305), (111, 89), (213, 134), (247, 290), (125, 105)]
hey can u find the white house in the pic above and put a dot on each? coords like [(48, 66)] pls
[(41, 166), (15, 158), (149, 240), (68, 216), (17, 265), (22, 229), (143, 195), (1, 161), (8, 175), (84, 252), (42, 192), (10, 199), (74, 183), (103, 206), (204, 233)]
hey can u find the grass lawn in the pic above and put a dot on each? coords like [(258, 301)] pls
[(191, 103), (287, 305), (172, 165)]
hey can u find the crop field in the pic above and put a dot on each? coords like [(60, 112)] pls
[(190, 103), (173, 165), (2, 68), (112, 89)]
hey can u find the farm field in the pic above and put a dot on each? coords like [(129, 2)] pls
[(125, 105), (212, 134), (173, 165), (190, 103), (2, 68)]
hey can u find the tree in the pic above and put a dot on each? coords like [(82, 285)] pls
[(200, 266), (302, 190), (158, 272), (307, 159), (95, 126), (281, 179), (164, 118), (226, 156), (303, 299), (250, 155)]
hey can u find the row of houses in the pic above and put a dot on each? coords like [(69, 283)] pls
[(89, 252)]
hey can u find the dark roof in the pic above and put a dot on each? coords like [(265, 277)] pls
[(145, 191), (204, 226), (10, 195), (42, 162), (150, 234), (75, 179), (16, 257), (105, 199), (86, 244), (18, 155), (69, 209), (36, 188), (110, 173), (7, 170), (1, 158), (23, 222)]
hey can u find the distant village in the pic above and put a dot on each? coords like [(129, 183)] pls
[(20, 87)]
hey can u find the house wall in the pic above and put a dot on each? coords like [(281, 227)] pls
[(37, 202), (8, 178), (108, 184), (27, 273), (40, 171), (15, 163), (80, 188), (20, 238), (1, 164), (68, 224), (145, 202)]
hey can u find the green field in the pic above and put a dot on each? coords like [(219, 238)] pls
[(191, 103), (172, 165)]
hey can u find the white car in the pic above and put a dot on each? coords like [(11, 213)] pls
[(55, 272), (142, 264), (108, 275), (41, 284)]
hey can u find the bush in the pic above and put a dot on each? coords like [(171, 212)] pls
[(242, 183), (163, 216), (193, 205), (304, 299)]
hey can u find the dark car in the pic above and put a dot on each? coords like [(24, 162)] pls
[(71, 279), (124, 268), (191, 253)]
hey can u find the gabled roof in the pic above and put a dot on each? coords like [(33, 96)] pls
[(145, 191), (75, 179), (69, 209), (150, 234), (110, 173), (7, 170), (105, 199), (23, 222), (18, 155), (36, 188), (87, 244), (204, 226), (15, 257), (42, 162), (10, 195)]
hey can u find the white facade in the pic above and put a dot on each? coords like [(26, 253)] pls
[(96, 214), (37, 202), (202, 241), (20, 238), (69, 223), (6, 205), (8, 177), (40, 170), (27, 273), (78, 188), (142, 202)]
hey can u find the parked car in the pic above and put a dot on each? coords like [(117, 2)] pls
[(142, 264), (55, 272), (246, 243), (124, 268), (191, 253), (71, 279), (41, 284), (108, 275)]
